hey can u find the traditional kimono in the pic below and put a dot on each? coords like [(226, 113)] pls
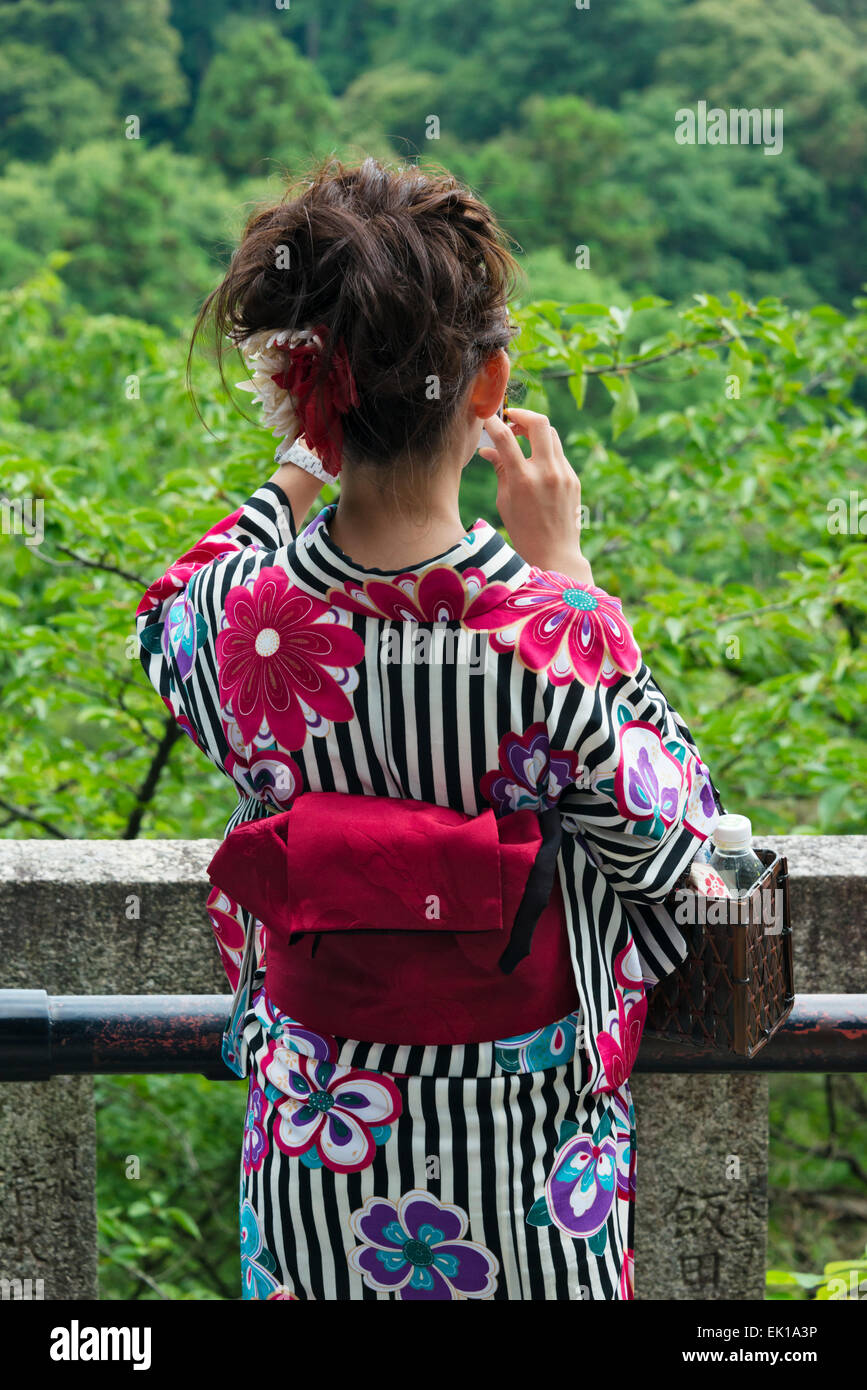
[(497, 1169)]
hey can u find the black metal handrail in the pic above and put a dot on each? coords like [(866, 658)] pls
[(44, 1035)]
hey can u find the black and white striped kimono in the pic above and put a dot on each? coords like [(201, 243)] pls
[(498, 1170)]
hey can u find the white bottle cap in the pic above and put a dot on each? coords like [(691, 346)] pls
[(732, 833)]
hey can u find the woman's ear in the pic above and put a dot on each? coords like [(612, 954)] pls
[(489, 385)]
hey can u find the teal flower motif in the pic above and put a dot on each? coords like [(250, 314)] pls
[(551, 1046), (257, 1263), (419, 1254), (232, 1038)]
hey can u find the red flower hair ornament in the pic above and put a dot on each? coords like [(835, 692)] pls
[(286, 368)]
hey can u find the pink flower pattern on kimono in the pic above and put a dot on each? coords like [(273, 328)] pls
[(627, 1274), (624, 1134), (531, 774), (228, 925), (618, 1043), (213, 545), (328, 1114), (417, 1248), (441, 594), (285, 661), (266, 774), (570, 631)]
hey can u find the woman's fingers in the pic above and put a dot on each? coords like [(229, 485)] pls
[(536, 428), (539, 497), (506, 453), (558, 447)]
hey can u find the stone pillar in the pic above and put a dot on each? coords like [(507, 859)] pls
[(701, 1211), (84, 917), (48, 1189)]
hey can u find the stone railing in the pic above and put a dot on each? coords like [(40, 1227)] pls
[(118, 917)]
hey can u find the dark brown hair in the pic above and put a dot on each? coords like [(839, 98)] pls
[(406, 266)]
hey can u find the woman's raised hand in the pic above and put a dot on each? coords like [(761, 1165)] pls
[(298, 486), (538, 498)]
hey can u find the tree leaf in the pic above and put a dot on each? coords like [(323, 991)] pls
[(625, 410)]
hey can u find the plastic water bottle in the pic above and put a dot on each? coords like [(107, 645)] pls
[(733, 857)]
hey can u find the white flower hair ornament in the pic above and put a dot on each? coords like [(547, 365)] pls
[(285, 369)]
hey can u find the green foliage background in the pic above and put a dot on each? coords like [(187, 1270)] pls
[(706, 373)]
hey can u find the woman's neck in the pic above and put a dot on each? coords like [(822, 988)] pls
[(381, 530)]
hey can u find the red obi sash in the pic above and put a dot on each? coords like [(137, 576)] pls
[(399, 921)]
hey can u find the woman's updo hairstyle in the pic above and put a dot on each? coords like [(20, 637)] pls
[(406, 266)]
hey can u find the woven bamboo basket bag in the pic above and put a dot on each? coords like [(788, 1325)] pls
[(735, 988)]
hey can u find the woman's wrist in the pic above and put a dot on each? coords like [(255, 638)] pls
[(304, 458), (573, 564), (300, 477), (298, 487)]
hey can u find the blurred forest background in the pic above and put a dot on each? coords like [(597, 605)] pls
[(703, 358)]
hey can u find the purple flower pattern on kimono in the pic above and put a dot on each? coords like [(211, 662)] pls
[(657, 781), (649, 778), (417, 1249), (328, 1115), (291, 1035), (532, 775), (185, 631), (700, 813), (255, 1134), (589, 1173), (582, 1183)]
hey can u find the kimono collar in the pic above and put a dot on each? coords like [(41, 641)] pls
[(479, 558)]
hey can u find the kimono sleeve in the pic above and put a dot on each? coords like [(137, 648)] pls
[(642, 807), (177, 618), (643, 802)]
